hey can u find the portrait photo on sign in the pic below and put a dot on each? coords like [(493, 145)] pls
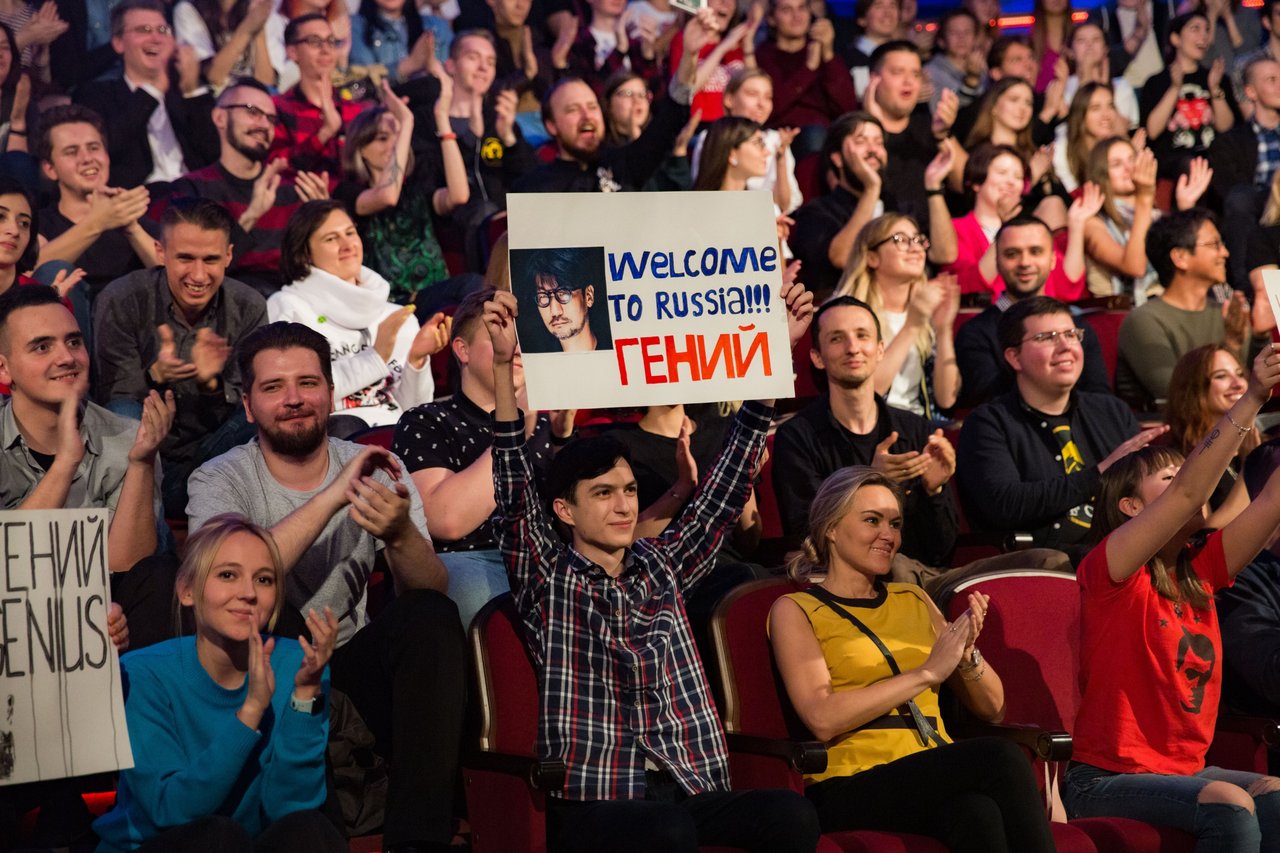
[(563, 300)]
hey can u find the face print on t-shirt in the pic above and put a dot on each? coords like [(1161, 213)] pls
[(1196, 659)]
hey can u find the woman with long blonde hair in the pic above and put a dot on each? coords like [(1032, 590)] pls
[(1091, 117), (886, 270)]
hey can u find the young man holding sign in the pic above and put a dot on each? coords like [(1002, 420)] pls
[(627, 707)]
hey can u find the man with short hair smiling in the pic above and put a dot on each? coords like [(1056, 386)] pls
[(811, 85), (333, 508), (1031, 460), (1190, 257), (100, 228), (175, 327), (1026, 260), (572, 115), (174, 115), (624, 701), (852, 425), (957, 64)]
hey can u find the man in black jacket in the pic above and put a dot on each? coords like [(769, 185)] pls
[(571, 112), (1032, 459), (851, 425), (152, 97)]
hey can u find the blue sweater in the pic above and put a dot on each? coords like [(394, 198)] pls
[(193, 757)]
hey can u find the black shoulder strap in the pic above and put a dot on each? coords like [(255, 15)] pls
[(909, 712)]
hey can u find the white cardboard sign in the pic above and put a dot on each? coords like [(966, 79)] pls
[(648, 298), (1271, 281), (61, 704)]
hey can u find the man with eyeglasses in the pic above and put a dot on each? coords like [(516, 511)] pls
[(1026, 261), (157, 94), (561, 285), (312, 115), (1188, 254), (1031, 460), (259, 195)]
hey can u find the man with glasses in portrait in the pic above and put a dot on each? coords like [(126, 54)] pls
[(159, 92), (309, 133), (1031, 460), (562, 285)]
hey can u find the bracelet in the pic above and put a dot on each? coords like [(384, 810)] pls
[(560, 441), (1244, 430), (929, 192), (15, 132), (976, 676), (1217, 93), (445, 137)]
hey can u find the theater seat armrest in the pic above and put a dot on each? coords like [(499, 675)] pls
[(805, 756), (542, 775), (1044, 744), (1263, 729)]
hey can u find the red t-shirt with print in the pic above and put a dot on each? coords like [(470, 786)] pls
[(1150, 669)]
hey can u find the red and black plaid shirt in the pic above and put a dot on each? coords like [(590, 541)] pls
[(619, 672), (297, 133)]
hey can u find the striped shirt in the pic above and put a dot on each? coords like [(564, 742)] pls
[(620, 678)]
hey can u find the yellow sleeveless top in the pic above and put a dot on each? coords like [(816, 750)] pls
[(900, 618)]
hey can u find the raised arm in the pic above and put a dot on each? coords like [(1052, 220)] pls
[(1137, 540)]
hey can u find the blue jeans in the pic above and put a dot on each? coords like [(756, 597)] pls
[(475, 578), (1174, 801)]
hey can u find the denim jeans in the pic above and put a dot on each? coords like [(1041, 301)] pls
[(1174, 801), (475, 578)]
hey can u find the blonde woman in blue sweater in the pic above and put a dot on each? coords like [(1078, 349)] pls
[(226, 756)]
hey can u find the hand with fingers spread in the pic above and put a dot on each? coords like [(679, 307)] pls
[(265, 187), (312, 186), (168, 367), (869, 101), (947, 651), (156, 421), (315, 654), (1193, 183), (899, 467), (1216, 71), (66, 280), (940, 457), (209, 356), (1137, 442), (1087, 205), (261, 680), (1144, 174)]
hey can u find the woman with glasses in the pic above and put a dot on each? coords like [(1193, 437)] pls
[(1151, 648), (627, 110), (886, 270), (863, 661), (996, 174), (229, 38), (381, 357)]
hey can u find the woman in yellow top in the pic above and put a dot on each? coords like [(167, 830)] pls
[(862, 661)]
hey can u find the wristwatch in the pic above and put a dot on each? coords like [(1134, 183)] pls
[(974, 661), (311, 706)]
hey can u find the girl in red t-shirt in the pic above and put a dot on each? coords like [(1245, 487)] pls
[(1151, 651)]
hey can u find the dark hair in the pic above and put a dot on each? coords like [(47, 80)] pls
[(611, 86), (375, 26), (1000, 47), (360, 131), (295, 24), (210, 12), (60, 115), (295, 247), (205, 214), (582, 459), (25, 296), (243, 83), (1179, 22), (984, 125), (950, 16), (474, 32), (842, 302), (281, 335), (571, 268), (1023, 220), (840, 130), (862, 8), (1257, 469), (470, 313), (1013, 322), (10, 81), (12, 186), (1123, 480), (118, 13), (876, 62), (979, 165), (551, 93), (724, 135), (1178, 230)]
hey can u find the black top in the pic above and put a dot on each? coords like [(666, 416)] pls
[(1249, 616), (452, 433), (817, 222), (909, 153), (653, 456), (110, 257), (1192, 120)]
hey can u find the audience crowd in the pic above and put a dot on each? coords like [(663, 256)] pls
[(255, 300)]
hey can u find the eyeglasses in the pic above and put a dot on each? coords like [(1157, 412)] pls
[(903, 241), (640, 95), (255, 112), (563, 295), (1215, 245), (148, 29), (1042, 338), (317, 42)]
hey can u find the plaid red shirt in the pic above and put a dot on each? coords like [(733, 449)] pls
[(619, 673), (296, 134)]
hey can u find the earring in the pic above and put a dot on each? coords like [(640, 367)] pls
[(733, 161)]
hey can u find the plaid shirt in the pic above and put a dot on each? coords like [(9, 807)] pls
[(1268, 154), (619, 673), (296, 134)]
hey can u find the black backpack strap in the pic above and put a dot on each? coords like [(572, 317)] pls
[(909, 714)]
